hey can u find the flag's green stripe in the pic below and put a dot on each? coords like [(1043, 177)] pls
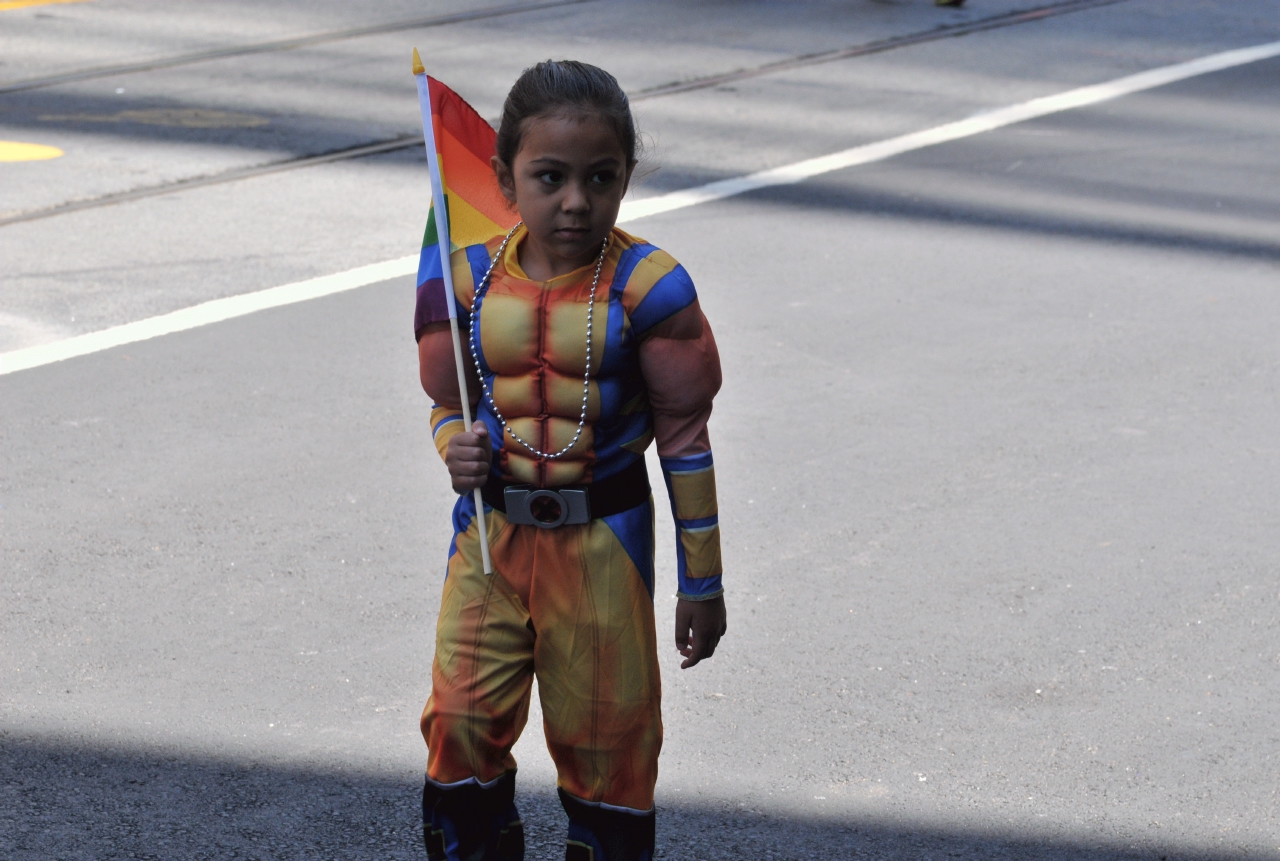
[(430, 237)]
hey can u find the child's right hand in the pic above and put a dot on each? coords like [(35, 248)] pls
[(468, 458)]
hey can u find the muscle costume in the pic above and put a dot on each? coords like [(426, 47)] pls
[(574, 604)]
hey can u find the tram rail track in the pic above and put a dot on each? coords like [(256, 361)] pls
[(946, 31), (994, 22), (111, 71)]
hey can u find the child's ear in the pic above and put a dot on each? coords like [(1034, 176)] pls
[(506, 182)]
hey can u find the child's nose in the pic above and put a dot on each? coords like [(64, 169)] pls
[(575, 199)]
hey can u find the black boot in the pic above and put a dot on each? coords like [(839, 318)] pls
[(600, 834), (472, 822)]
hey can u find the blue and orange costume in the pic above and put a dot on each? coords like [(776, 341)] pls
[(572, 605)]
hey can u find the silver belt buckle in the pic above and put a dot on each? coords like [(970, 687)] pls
[(546, 508)]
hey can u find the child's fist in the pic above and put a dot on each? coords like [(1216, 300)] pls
[(699, 627), (468, 458)]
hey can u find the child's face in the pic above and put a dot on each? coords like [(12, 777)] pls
[(567, 180)]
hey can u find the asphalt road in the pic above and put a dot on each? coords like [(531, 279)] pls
[(998, 445)]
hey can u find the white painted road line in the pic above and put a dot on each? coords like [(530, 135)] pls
[(984, 122), (238, 306), (205, 313)]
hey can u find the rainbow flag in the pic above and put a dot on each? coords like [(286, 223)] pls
[(466, 209), (462, 144)]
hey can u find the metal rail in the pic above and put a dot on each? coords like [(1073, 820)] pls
[(279, 45), (946, 31), (213, 179), (1008, 19)]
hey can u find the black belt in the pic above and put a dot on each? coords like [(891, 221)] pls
[(552, 506)]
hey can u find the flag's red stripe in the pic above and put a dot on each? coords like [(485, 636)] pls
[(452, 113)]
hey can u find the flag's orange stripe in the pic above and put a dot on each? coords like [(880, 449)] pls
[(463, 164), (467, 175), (469, 178)]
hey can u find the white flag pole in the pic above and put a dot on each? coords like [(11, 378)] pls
[(442, 245)]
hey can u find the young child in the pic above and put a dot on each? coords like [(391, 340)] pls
[(586, 344)]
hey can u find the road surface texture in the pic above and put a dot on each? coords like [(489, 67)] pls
[(998, 447)]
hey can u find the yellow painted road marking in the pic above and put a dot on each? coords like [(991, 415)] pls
[(18, 151), (19, 4)]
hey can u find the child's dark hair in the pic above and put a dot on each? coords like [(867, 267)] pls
[(554, 86)]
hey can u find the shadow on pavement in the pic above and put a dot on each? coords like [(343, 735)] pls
[(171, 121), (1045, 222), (68, 802)]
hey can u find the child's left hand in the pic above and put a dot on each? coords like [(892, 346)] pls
[(699, 627)]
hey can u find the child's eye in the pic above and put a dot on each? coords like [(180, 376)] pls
[(603, 177), (551, 177)]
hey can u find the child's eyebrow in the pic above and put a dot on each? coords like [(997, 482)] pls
[(552, 161)]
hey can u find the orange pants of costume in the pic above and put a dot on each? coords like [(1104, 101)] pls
[(571, 606)]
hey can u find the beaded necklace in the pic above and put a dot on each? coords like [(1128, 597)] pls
[(474, 341)]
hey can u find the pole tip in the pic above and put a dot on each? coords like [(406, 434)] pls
[(418, 68)]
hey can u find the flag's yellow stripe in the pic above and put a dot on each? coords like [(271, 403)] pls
[(469, 226)]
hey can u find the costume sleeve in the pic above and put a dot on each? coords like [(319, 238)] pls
[(436, 365), (657, 290), (439, 375), (681, 368), (432, 304), (446, 423)]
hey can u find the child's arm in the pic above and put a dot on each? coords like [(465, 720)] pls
[(681, 368), (467, 455)]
